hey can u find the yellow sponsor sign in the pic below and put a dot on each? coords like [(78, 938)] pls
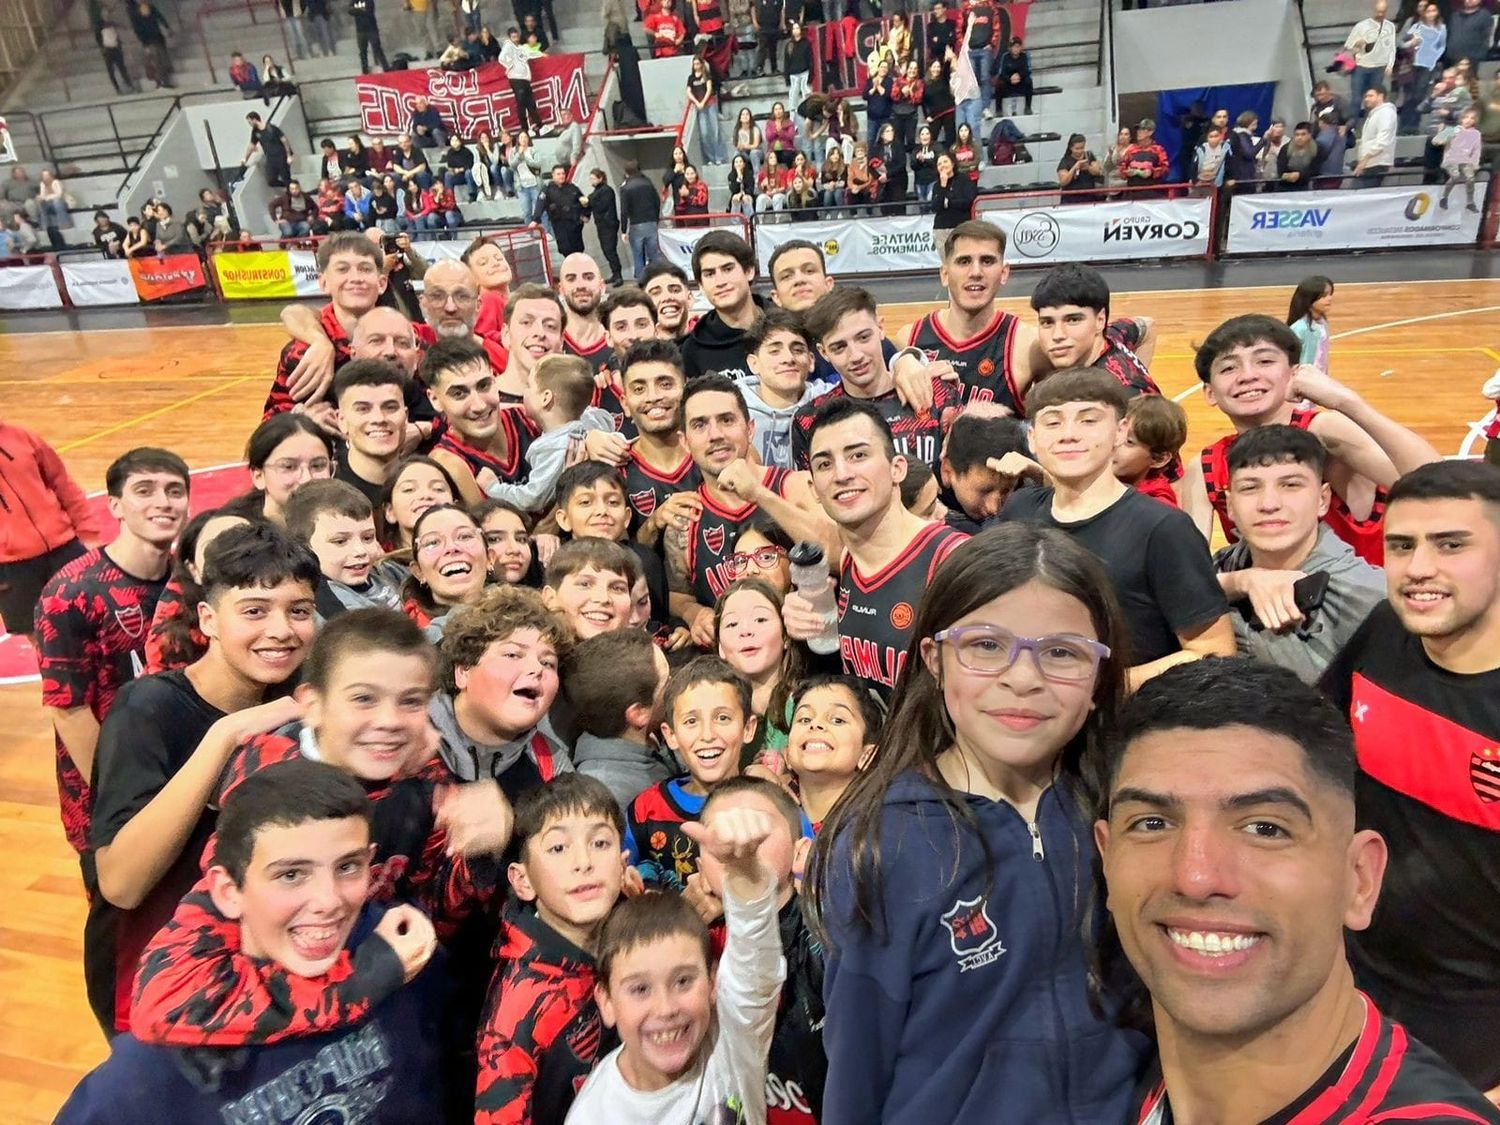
[(255, 274)]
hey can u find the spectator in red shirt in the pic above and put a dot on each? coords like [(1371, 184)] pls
[(1144, 162), (666, 30)]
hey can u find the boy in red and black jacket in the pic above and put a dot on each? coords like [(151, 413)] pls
[(541, 1033)]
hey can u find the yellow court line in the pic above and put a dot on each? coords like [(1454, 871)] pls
[(157, 413), (1492, 353)]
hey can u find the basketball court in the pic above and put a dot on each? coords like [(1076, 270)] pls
[(1418, 350)]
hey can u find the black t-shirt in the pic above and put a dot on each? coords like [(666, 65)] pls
[(149, 734), (271, 139), (1160, 565), (343, 472), (1428, 742), (1084, 180)]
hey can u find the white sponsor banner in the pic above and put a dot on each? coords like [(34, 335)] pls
[(29, 287), (853, 246), (100, 283), (304, 265), (1368, 219), (677, 243), (1102, 232)]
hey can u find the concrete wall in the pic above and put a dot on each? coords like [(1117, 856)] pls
[(231, 132), (665, 84), (1255, 41), (171, 171)]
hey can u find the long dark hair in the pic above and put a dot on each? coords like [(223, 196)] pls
[(794, 657), (1308, 290), (918, 729)]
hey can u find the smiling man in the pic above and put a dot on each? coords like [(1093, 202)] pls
[(1420, 683), (669, 290), (371, 397), (723, 267), (1073, 325), (1234, 870), (480, 434)]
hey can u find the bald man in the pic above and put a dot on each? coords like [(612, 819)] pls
[(580, 284)]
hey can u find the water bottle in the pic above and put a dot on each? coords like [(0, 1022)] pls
[(810, 578)]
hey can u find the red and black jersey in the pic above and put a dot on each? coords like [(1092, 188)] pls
[(983, 362), (1366, 536), (1159, 487), (602, 358), (168, 644), (658, 847), (540, 1034), (796, 1067), (918, 437), (1121, 338), (499, 357), (1384, 1076), (646, 488), (876, 612), (710, 539), (280, 400), (1428, 742), (598, 354), (515, 424), (92, 622), (197, 987)]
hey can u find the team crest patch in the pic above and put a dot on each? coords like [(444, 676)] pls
[(843, 600), (1484, 774), (713, 539), (643, 502), (986, 366), (901, 616), (972, 934), (132, 620)]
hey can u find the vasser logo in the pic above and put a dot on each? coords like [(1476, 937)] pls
[(1036, 235), (1144, 229), (1284, 220)]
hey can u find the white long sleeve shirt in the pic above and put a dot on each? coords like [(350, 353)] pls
[(734, 1072), (516, 61), (1377, 141), (1379, 38)]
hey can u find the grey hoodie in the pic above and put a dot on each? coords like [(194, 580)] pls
[(475, 761), (546, 459), (1354, 589), (626, 768), (773, 424)]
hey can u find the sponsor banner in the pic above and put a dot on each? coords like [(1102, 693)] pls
[(1101, 232), (252, 274), (304, 264), (156, 278), (99, 283), (852, 246), (1368, 219), (472, 100), (677, 243), (29, 287)]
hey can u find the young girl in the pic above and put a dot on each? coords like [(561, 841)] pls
[(835, 175), (781, 137), (835, 727), (672, 178), (862, 186), (770, 194), (284, 451), (907, 98), (742, 186), (966, 153), (953, 878), (703, 98), (447, 567), (1308, 318), (747, 140), (507, 541), (1461, 153), (416, 484), (692, 196), (752, 638)]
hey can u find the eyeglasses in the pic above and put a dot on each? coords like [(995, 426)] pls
[(763, 558), (989, 650), (287, 466), (463, 537)]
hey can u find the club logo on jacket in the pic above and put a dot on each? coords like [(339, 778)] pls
[(972, 934)]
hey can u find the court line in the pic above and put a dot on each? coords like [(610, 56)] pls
[(157, 413), (1412, 320), (1492, 353), (106, 381)]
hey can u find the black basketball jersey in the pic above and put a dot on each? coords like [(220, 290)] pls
[(646, 489), (918, 437), (710, 539), (515, 424), (876, 611), (982, 362)]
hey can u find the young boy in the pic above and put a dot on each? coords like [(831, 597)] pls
[(166, 741), (290, 883), (723, 267), (93, 616), (973, 490), (372, 416), (338, 523), (557, 401), (1148, 457), (797, 1068), (591, 502), (780, 354), (541, 1033), (835, 727), (667, 284), (351, 271), (588, 584), (615, 683), (1074, 329), (694, 1038), (707, 722)]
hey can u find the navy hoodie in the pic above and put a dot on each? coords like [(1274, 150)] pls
[(971, 1004), (381, 1069)]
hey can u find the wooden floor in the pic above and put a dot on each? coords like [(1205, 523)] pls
[(1418, 351)]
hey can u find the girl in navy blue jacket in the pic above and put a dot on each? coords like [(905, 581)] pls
[(953, 879)]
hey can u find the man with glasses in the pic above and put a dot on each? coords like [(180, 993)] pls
[(1159, 563), (888, 554)]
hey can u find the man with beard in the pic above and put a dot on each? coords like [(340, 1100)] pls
[(581, 287), (672, 294), (1420, 682)]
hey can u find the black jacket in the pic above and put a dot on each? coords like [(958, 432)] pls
[(639, 202), (562, 203), (952, 205), (602, 208), (713, 345)]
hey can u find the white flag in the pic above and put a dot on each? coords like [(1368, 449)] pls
[(963, 81)]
